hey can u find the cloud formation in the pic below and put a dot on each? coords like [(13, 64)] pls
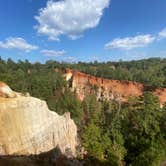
[(69, 59), (129, 43), (17, 43), (52, 53), (69, 17), (162, 34)]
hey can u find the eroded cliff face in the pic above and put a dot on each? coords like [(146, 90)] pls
[(28, 127), (85, 84), (5, 91)]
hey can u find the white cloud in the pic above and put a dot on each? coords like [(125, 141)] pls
[(129, 43), (17, 43), (69, 59), (52, 53), (69, 17), (162, 34), (93, 58)]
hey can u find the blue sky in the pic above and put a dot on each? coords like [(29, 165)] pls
[(84, 30)]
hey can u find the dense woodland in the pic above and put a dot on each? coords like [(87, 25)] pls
[(151, 72), (112, 134)]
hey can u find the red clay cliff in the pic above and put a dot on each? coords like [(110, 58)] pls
[(85, 84)]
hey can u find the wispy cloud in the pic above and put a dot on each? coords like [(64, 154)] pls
[(162, 34), (17, 43), (52, 53), (69, 59), (69, 17), (129, 43)]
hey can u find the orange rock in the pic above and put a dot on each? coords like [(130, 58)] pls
[(84, 84), (161, 93)]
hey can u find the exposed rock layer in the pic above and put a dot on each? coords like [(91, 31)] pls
[(27, 127), (84, 84)]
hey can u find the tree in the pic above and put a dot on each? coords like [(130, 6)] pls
[(141, 130)]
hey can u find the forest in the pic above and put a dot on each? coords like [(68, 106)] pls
[(111, 133)]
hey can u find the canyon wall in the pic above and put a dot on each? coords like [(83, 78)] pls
[(85, 84), (28, 127)]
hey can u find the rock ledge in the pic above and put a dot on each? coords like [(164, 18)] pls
[(28, 127)]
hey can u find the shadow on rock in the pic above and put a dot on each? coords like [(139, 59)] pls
[(51, 158)]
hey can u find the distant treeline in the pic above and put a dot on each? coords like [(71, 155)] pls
[(151, 72)]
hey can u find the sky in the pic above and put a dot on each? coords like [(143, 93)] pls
[(82, 30)]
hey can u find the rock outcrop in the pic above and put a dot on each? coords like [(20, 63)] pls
[(85, 84), (28, 127), (5, 91)]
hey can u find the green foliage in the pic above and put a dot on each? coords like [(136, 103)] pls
[(93, 141), (151, 72), (142, 132), (134, 134), (101, 138)]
